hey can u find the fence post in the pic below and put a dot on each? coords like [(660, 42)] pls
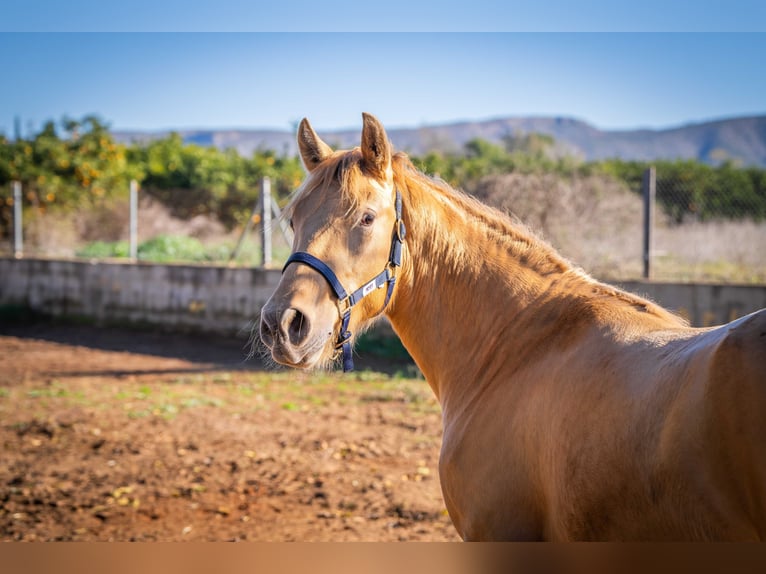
[(283, 225), (133, 219), (266, 222), (649, 192), (18, 236)]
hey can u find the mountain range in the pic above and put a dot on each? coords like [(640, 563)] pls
[(742, 139)]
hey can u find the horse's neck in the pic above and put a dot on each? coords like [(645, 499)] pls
[(467, 278)]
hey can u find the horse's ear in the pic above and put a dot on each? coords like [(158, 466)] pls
[(376, 149), (313, 150)]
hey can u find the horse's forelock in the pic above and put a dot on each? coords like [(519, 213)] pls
[(342, 172)]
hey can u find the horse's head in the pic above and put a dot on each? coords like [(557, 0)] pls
[(347, 235)]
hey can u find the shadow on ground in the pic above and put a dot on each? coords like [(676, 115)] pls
[(380, 350)]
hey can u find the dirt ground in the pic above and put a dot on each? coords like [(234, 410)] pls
[(116, 434)]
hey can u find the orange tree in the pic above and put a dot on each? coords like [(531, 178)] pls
[(77, 169), (193, 179)]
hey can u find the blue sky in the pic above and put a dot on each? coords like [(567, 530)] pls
[(96, 58), (388, 16)]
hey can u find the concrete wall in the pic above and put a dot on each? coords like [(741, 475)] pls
[(227, 299), (182, 297), (703, 304)]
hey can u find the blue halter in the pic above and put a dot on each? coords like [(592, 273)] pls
[(385, 278)]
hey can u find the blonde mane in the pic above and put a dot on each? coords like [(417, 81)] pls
[(510, 238)]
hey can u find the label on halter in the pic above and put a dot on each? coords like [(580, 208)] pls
[(369, 288)]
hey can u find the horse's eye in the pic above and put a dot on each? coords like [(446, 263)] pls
[(367, 219), (291, 224)]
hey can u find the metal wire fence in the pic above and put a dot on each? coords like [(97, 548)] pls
[(705, 226), (692, 225), (136, 226)]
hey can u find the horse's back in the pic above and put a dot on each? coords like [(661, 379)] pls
[(736, 411), (698, 423), (738, 366), (694, 416), (669, 442), (744, 346)]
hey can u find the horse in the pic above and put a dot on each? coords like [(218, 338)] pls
[(571, 409)]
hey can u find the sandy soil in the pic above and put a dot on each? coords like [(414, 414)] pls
[(131, 435)]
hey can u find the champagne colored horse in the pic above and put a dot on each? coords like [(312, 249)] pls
[(571, 410)]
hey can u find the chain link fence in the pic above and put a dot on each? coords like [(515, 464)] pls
[(137, 226), (708, 225), (679, 222), (700, 224)]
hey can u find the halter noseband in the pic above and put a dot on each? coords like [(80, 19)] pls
[(346, 302)]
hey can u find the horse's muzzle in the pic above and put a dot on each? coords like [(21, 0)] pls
[(287, 334)]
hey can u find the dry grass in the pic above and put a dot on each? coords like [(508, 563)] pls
[(597, 223), (594, 221), (726, 251), (56, 234)]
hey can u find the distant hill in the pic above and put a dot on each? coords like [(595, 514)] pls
[(739, 139)]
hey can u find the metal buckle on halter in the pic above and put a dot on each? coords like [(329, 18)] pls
[(340, 343), (343, 338), (344, 305)]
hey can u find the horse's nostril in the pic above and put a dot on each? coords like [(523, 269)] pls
[(295, 325), (268, 329)]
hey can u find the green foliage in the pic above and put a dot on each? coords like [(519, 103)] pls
[(530, 153), (160, 249), (77, 170), (105, 249), (166, 248), (382, 344), (77, 165), (688, 189), (193, 179)]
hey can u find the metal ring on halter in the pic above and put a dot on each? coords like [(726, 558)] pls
[(400, 230)]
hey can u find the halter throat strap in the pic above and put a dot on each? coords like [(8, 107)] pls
[(386, 278)]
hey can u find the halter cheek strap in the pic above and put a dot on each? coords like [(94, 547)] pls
[(385, 278)]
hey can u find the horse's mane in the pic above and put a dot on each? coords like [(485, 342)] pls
[(344, 169), (514, 237), (509, 233)]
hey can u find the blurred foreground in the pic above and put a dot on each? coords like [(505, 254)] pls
[(119, 435)]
